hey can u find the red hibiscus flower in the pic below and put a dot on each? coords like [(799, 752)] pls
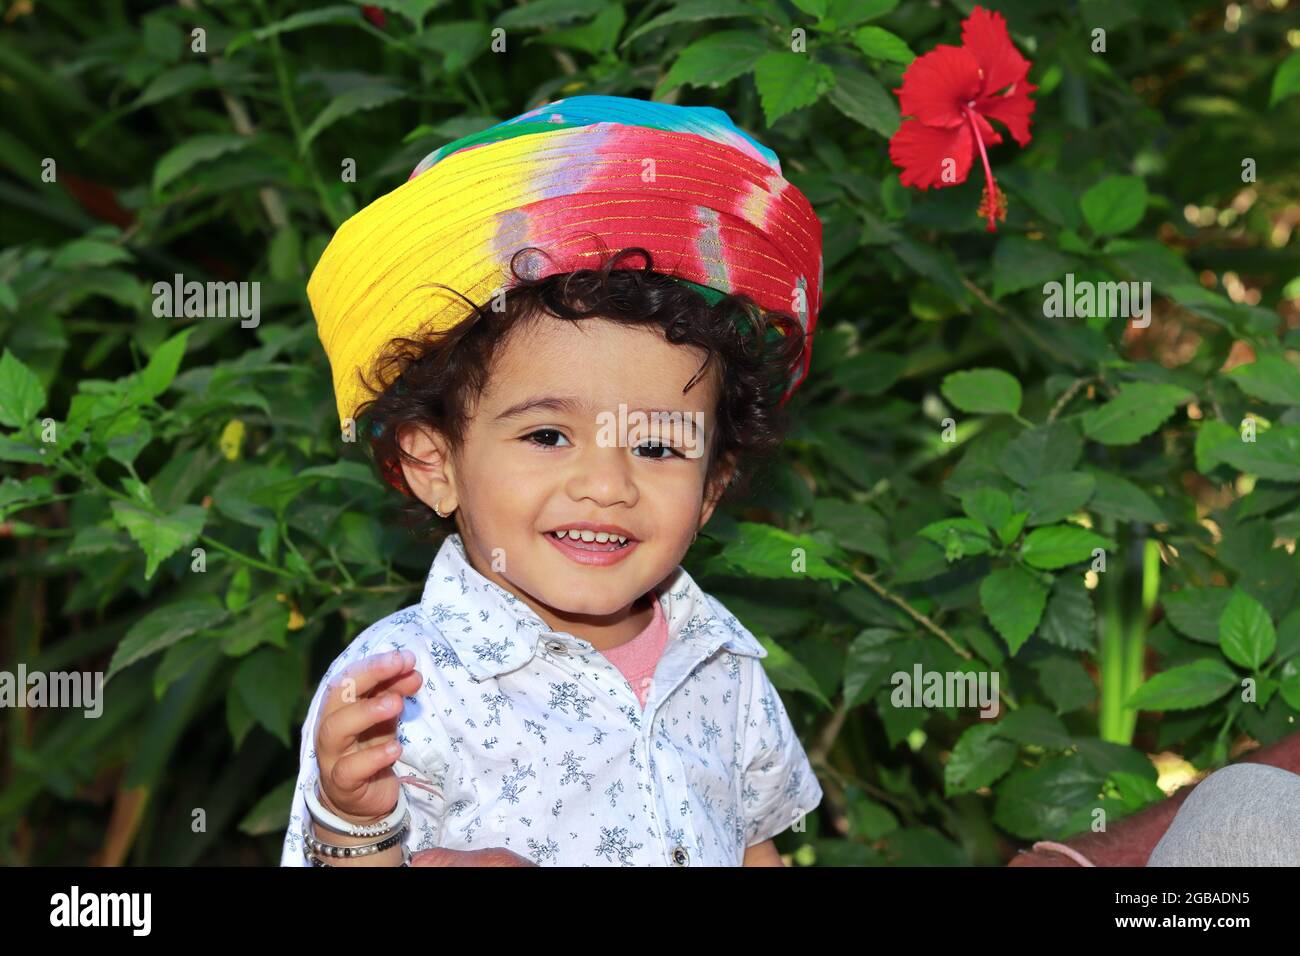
[(950, 94)]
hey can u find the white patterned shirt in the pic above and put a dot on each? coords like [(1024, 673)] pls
[(530, 739)]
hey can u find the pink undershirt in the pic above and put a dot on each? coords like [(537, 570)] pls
[(638, 658)]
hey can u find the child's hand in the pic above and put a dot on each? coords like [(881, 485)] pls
[(356, 736), (490, 856)]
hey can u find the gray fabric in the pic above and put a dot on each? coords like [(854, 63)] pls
[(1245, 814)]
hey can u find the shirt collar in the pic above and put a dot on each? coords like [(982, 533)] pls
[(465, 606)]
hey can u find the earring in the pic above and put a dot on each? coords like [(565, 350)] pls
[(440, 514)]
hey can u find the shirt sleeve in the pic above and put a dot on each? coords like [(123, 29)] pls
[(779, 786), (421, 768)]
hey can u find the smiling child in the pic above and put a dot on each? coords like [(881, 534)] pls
[(569, 336)]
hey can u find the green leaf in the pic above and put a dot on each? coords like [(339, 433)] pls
[(1186, 686), (769, 552), (595, 38), (1212, 436), (125, 435), (979, 759), (89, 253), (859, 96), (869, 373), (271, 813), (1013, 601), (983, 390), (198, 149), (959, 537), (853, 526), (1060, 545), (1115, 205), (260, 681), (1138, 410), (789, 81), (1055, 497), (1039, 451), (866, 665), (548, 13), (1121, 499), (717, 59), (1066, 683), (1290, 691), (298, 21), (846, 13), (989, 506), (693, 11), (1270, 378), (1273, 454), (264, 621), (1286, 81), (1069, 620), (178, 660), (21, 393), (883, 45), (159, 536), (787, 671), (1195, 612), (1020, 263), (1038, 802), (1246, 633), (1011, 528), (869, 820), (1034, 726), (160, 629), (367, 97), (161, 370)]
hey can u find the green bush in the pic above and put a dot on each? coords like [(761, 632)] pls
[(967, 456)]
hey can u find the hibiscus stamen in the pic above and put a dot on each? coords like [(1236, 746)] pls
[(993, 205)]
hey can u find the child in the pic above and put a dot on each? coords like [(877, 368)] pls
[(564, 693)]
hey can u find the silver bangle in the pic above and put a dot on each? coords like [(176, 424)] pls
[(332, 821)]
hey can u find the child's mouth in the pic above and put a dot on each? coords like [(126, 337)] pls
[(572, 542), (591, 553)]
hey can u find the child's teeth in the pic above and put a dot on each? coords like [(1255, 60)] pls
[(601, 537)]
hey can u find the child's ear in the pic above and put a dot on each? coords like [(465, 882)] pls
[(713, 494), (430, 476)]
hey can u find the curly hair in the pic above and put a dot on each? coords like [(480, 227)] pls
[(435, 378)]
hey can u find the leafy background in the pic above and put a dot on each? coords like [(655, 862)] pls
[(130, 440)]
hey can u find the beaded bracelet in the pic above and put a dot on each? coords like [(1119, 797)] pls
[(406, 859), (321, 848)]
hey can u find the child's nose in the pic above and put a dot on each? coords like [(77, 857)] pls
[(603, 473)]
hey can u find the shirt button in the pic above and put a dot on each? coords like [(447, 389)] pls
[(680, 856), (557, 647)]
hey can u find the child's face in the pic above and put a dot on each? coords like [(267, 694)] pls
[(519, 476)]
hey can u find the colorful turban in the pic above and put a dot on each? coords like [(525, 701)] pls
[(575, 178)]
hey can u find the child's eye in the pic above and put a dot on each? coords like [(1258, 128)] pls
[(658, 446), (542, 431)]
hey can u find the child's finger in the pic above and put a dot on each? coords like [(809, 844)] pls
[(406, 685), (360, 678), (354, 770), (339, 729)]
